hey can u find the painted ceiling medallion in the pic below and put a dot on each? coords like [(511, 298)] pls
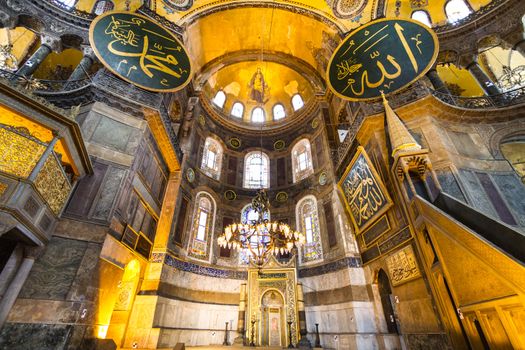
[(323, 178), (179, 5), (281, 197), (230, 195), (190, 175), (315, 123), (347, 8)]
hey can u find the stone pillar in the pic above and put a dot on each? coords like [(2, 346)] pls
[(483, 79), (304, 343), (436, 81), (167, 211), (242, 316), (48, 44), (83, 66), (7, 302), (520, 47), (43, 158)]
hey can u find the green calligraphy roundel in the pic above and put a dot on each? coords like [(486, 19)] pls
[(140, 51), (384, 55)]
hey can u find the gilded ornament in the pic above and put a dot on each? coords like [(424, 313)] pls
[(53, 184), (235, 142), (202, 120), (323, 178), (402, 266), (281, 197), (230, 195), (18, 153), (3, 188), (279, 145), (190, 175), (315, 123)]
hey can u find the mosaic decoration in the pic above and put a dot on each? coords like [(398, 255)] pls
[(19, 153), (178, 5), (402, 266), (140, 51), (347, 8), (360, 69), (333, 266), (190, 175), (281, 197), (53, 184), (279, 145), (418, 3), (3, 188), (230, 195), (363, 191), (259, 90), (187, 266), (234, 142)]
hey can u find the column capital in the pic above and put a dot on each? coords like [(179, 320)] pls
[(88, 52), (33, 252), (51, 41)]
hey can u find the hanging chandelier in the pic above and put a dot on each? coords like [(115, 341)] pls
[(260, 238)]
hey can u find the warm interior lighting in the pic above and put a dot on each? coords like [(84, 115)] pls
[(102, 331), (259, 238)]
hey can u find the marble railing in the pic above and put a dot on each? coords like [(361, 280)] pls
[(505, 99), (45, 86)]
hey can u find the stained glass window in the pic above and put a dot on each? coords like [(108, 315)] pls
[(67, 3), (278, 112), (237, 110), (258, 115), (212, 158), (219, 99), (256, 170), (297, 102), (202, 227), (102, 6), (456, 10), (423, 17), (302, 160), (308, 223)]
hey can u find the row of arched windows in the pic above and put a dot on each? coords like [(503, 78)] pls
[(257, 163), (307, 221), (455, 10), (99, 8), (258, 114)]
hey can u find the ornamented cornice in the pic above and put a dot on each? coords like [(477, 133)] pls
[(344, 263)]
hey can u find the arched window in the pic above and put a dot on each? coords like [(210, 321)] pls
[(256, 170), (423, 17), (67, 3), (237, 110), (308, 223), (102, 6), (278, 112), (248, 216), (456, 10), (302, 160), (219, 99), (297, 102), (212, 158), (258, 115), (202, 226)]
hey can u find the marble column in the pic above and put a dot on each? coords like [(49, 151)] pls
[(520, 47), (43, 158), (48, 44), (483, 79), (436, 81), (10, 295), (304, 343), (83, 66), (242, 316)]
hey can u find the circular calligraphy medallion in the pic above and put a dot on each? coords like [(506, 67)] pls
[(323, 178), (190, 175), (281, 197), (140, 51), (381, 56), (279, 145), (315, 123), (230, 195), (235, 142)]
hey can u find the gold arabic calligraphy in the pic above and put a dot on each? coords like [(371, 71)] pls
[(363, 193), (156, 57), (389, 67)]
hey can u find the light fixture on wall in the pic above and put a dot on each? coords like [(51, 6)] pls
[(260, 238)]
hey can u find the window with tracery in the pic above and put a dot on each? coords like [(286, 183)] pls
[(202, 226), (423, 17), (219, 99), (237, 110), (256, 170), (308, 223), (102, 6), (278, 112), (258, 115), (248, 216), (297, 102), (456, 10), (212, 158), (302, 160)]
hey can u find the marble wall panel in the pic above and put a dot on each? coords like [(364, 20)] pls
[(14, 336), (53, 273), (108, 193), (190, 280), (449, 184), (513, 191), (350, 317), (479, 199)]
